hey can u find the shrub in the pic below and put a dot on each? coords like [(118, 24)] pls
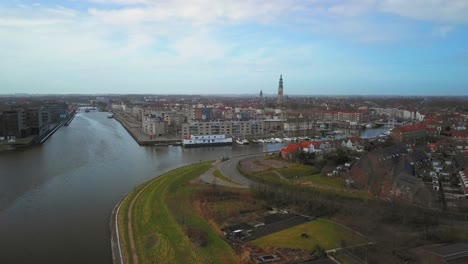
[(197, 236)]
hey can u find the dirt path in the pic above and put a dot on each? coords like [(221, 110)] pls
[(130, 225)]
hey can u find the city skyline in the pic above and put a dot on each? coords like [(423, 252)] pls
[(231, 47)]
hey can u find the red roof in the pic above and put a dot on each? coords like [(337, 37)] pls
[(433, 146), (460, 134), (428, 121), (362, 111), (294, 147), (412, 128)]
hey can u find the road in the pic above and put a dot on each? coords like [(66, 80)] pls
[(208, 177), (229, 169)]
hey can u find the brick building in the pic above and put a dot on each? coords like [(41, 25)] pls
[(408, 133)]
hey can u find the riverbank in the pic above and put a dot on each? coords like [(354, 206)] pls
[(134, 129), (19, 143), (155, 222)]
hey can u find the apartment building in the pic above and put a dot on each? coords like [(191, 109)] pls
[(227, 127)]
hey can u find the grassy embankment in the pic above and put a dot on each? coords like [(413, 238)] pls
[(307, 177), (166, 228), (220, 176), (326, 234)]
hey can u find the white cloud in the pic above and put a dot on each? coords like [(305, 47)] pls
[(121, 2), (352, 8), (442, 31), (18, 22), (201, 46), (199, 11), (435, 10)]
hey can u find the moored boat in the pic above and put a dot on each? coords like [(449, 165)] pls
[(206, 140)]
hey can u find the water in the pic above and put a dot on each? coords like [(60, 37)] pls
[(373, 132), (56, 199)]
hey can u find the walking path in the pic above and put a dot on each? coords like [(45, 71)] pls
[(227, 168)]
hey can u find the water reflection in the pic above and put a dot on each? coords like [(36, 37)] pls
[(55, 199)]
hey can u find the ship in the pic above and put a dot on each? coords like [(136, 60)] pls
[(110, 115), (206, 140)]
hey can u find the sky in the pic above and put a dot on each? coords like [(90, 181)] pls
[(321, 47)]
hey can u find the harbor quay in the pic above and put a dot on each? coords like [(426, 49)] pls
[(143, 139)]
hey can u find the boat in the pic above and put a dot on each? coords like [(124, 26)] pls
[(87, 110), (261, 141), (110, 115), (278, 140), (206, 140), (239, 141), (245, 141)]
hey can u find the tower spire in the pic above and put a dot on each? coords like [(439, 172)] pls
[(280, 99)]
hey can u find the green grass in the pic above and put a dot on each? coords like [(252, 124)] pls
[(298, 171), (332, 186), (344, 257), (159, 221), (325, 181), (326, 234), (219, 175), (123, 221)]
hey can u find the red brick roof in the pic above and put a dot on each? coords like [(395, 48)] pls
[(412, 128), (294, 147), (428, 121), (460, 134), (433, 146), (364, 111)]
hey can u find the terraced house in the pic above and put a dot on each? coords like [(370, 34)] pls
[(409, 133)]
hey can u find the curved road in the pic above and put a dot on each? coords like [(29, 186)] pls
[(229, 169)]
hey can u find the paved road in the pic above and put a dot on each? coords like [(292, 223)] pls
[(229, 169), (208, 177)]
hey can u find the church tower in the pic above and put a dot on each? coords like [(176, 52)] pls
[(280, 99)]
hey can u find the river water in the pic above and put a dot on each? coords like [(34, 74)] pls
[(56, 199)]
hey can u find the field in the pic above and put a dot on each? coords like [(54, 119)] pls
[(281, 173), (326, 234), (166, 228)]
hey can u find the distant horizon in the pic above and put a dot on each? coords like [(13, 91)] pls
[(224, 95), (383, 47)]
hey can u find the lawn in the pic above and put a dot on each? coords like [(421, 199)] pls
[(325, 181), (345, 257), (219, 175), (298, 171), (324, 233), (306, 174), (160, 222)]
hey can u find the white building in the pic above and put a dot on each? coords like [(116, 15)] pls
[(154, 125)]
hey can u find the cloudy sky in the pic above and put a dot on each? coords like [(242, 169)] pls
[(417, 47)]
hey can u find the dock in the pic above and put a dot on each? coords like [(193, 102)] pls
[(43, 138), (142, 138)]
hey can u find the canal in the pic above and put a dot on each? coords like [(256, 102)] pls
[(56, 199)]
